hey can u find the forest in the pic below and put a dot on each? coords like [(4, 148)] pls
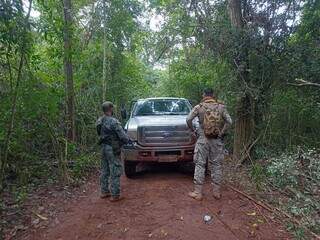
[(59, 60)]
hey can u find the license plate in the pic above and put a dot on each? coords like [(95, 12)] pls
[(168, 159)]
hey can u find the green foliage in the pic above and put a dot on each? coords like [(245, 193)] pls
[(188, 77), (298, 173), (294, 119), (284, 170), (84, 164), (298, 232), (258, 175), (20, 194), (203, 50), (303, 50), (37, 142)]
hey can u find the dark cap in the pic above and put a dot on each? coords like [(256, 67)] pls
[(107, 106)]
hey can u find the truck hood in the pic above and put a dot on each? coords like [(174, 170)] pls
[(165, 120)]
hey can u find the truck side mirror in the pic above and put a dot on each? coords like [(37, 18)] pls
[(124, 113)]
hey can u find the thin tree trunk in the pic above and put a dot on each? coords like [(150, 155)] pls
[(70, 103), (4, 160), (244, 107), (104, 74)]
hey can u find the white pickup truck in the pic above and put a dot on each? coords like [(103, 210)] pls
[(159, 132)]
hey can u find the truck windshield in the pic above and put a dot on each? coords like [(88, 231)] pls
[(162, 107)]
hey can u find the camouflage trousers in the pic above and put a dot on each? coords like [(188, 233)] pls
[(111, 170), (208, 152)]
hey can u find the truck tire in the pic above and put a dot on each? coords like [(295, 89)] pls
[(130, 169)]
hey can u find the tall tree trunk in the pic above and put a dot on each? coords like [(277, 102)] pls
[(244, 108), (243, 129), (235, 13), (70, 103), (104, 74)]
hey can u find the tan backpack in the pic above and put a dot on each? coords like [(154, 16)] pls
[(213, 119)]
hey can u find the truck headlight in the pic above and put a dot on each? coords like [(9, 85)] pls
[(132, 134)]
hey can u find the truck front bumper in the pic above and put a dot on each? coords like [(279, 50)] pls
[(137, 153)]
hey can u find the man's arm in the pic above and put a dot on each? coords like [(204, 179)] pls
[(124, 138), (99, 125), (194, 113), (227, 121)]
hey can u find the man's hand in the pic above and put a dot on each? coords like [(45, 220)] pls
[(222, 135), (130, 142), (194, 135)]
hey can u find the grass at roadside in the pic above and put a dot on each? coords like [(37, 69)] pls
[(17, 197), (289, 182)]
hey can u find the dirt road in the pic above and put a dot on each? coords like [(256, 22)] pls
[(156, 206)]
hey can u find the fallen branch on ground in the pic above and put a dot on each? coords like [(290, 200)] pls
[(261, 213), (269, 208)]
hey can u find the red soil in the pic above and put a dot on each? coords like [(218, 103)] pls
[(156, 206)]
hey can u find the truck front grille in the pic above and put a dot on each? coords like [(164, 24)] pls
[(164, 136)]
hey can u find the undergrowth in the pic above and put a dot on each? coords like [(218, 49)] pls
[(296, 176), (79, 168)]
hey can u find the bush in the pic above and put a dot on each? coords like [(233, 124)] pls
[(283, 170), (295, 169), (298, 174), (84, 164)]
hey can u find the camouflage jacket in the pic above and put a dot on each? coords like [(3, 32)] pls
[(111, 133)]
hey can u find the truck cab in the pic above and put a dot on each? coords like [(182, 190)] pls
[(159, 132)]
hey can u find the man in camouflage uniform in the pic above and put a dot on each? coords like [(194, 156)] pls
[(208, 150), (112, 137)]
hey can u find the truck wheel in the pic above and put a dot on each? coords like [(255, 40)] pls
[(130, 169)]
